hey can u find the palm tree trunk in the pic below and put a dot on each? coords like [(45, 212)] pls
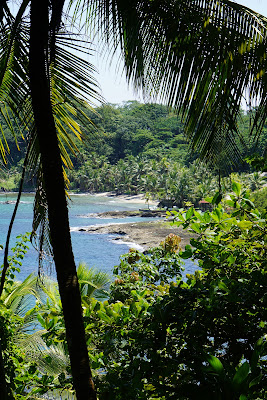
[(57, 205)]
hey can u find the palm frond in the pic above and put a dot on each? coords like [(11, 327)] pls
[(71, 81), (59, 394), (19, 299), (54, 360), (40, 236), (13, 80), (92, 283), (199, 57), (32, 344)]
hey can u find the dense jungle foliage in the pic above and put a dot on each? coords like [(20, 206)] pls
[(154, 332), (140, 148), (133, 148)]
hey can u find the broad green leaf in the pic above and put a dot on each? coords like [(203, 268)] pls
[(209, 199), (241, 374), (215, 364), (217, 198), (104, 317), (189, 213), (207, 217), (231, 259), (230, 203), (236, 187), (117, 307), (187, 253), (196, 227), (249, 203), (198, 215), (215, 217), (255, 381)]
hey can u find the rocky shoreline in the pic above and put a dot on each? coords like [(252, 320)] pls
[(145, 234), (143, 213)]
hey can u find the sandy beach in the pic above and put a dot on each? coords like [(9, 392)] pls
[(135, 199)]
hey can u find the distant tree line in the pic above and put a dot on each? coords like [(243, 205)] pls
[(133, 148)]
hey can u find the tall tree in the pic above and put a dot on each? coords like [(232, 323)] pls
[(42, 110), (55, 194), (200, 56)]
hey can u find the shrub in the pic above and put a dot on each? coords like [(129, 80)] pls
[(199, 338)]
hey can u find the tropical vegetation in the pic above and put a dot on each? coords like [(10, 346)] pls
[(155, 332), (200, 56), (141, 148)]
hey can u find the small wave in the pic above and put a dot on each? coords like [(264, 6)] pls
[(90, 215), (80, 194), (98, 215), (14, 202), (129, 244), (95, 226)]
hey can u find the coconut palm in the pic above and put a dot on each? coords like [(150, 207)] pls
[(54, 359), (200, 56), (38, 306), (19, 299), (42, 95)]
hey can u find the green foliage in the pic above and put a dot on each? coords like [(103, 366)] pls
[(199, 338), (160, 335), (19, 370), (29, 364), (163, 179), (15, 260), (126, 154), (260, 199), (147, 272)]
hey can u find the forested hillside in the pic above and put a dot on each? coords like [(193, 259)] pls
[(133, 148)]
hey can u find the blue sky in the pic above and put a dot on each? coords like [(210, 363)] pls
[(113, 83)]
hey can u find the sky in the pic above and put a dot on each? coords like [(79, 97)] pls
[(112, 80)]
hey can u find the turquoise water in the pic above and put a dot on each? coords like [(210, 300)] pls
[(97, 250)]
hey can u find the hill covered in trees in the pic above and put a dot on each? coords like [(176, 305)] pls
[(132, 148)]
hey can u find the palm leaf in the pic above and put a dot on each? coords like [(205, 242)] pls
[(52, 360), (199, 57), (21, 295), (13, 88), (71, 78), (92, 283), (62, 394), (71, 81)]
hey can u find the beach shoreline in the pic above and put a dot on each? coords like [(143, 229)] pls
[(144, 234), (127, 198)]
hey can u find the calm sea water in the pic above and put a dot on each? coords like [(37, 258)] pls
[(97, 250)]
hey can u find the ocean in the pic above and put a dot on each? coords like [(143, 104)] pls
[(96, 250)]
